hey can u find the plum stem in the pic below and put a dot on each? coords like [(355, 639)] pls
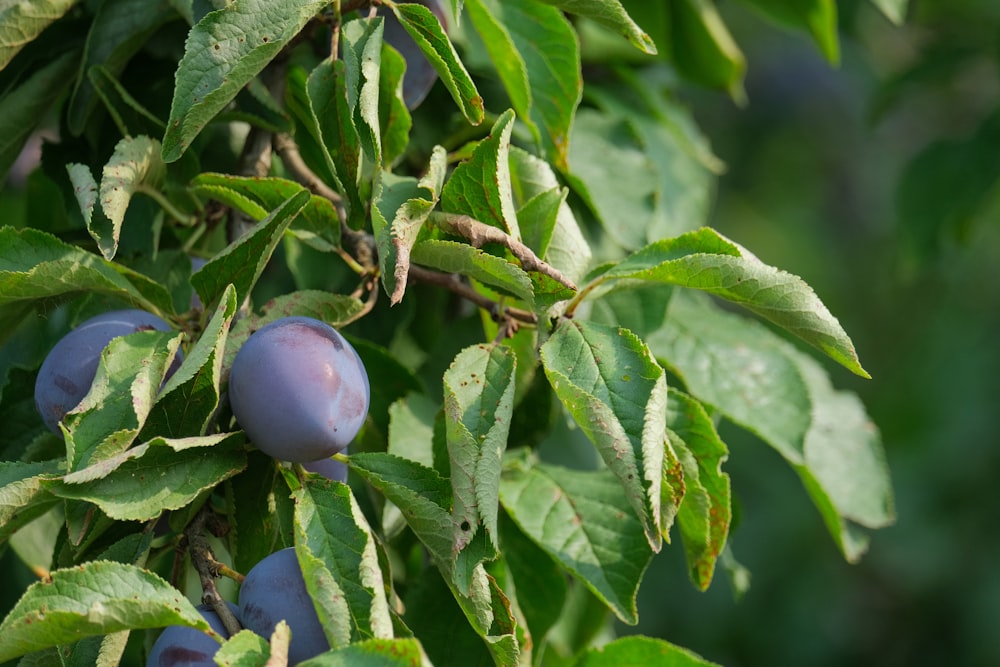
[(209, 568)]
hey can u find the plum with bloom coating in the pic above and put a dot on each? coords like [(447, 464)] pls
[(181, 646), (299, 390)]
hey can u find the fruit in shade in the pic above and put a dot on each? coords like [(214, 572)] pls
[(299, 390), (69, 369), (274, 590), (420, 75), (329, 468), (181, 646)]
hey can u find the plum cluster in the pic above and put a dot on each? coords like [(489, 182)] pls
[(273, 590)]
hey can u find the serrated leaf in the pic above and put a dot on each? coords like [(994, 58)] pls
[(361, 41), (584, 521), (372, 653), (261, 520), (702, 48), (134, 165), (224, 51), (611, 14), (190, 397), (547, 43), (478, 404), (411, 428), (766, 385), (95, 598), (35, 265), (818, 18), (480, 186), (158, 475), (337, 553), (24, 493), (394, 118), (244, 649), (425, 29), (242, 262), (23, 108), (454, 257), (705, 512), (119, 30), (638, 650), (706, 260), (615, 391), (22, 22), (129, 374), (317, 224), (566, 250)]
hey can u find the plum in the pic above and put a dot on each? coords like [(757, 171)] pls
[(329, 468), (69, 369), (299, 390), (274, 590), (420, 75), (181, 646)]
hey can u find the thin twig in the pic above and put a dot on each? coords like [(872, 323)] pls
[(451, 282), (479, 234), (288, 151), (208, 569)]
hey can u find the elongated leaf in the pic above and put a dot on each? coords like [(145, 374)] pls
[(158, 475), (706, 260), (425, 29), (372, 653), (818, 18), (95, 598), (584, 521), (611, 14), (394, 118), (506, 58), (24, 107), (24, 493), (119, 30), (480, 186), (242, 262), (22, 22), (337, 553), (190, 397), (109, 417), (616, 392), (540, 586), (497, 272), (766, 385), (638, 650), (223, 52), (702, 48), (706, 512), (478, 404), (361, 41)]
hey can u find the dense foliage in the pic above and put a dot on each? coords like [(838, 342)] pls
[(519, 258)]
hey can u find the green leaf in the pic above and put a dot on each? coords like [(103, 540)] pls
[(565, 249), (24, 493), (480, 186), (95, 598), (638, 651), (706, 511), (708, 261), (128, 379), (224, 51), (22, 22), (317, 223), (262, 518), (361, 42), (190, 397), (455, 257), (337, 552), (35, 265), (242, 262), (425, 29), (162, 474), (763, 383), (702, 48), (23, 108), (394, 118), (119, 31), (584, 521), (372, 653), (244, 649), (894, 10), (818, 18), (614, 175), (411, 428), (611, 14), (616, 392), (478, 404)]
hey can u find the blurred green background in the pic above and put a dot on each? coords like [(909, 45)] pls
[(877, 182)]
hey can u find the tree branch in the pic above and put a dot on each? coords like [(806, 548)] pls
[(209, 569), (451, 282)]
